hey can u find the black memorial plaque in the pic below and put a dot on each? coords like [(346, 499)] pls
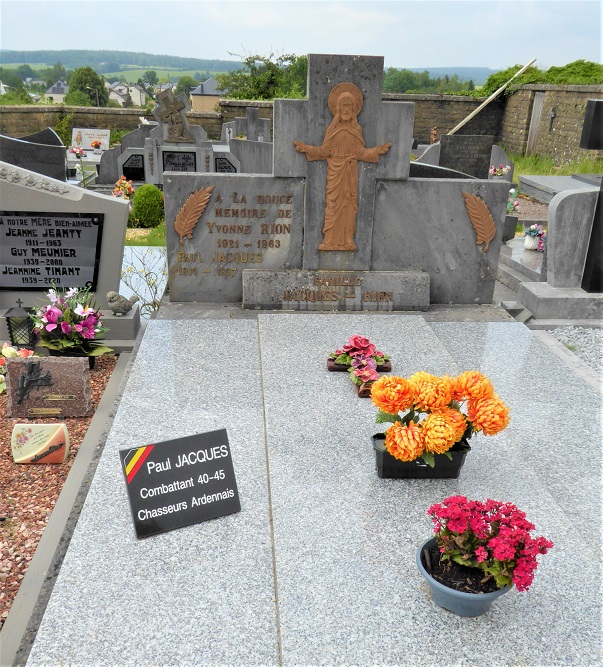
[(180, 482), (40, 249), (224, 166), (179, 161), (133, 167)]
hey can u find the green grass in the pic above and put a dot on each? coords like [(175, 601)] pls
[(538, 165), (135, 73), (153, 237)]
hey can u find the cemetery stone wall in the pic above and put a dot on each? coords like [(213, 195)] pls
[(447, 111), (559, 139)]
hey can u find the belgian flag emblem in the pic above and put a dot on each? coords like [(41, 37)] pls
[(134, 459)]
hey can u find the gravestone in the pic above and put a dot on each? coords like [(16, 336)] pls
[(571, 219), (339, 225), (43, 158), (112, 161), (469, 153), (48, 387), (56, 233), (498, 156), (175, 144), (133, 167), (84, 136), (251, 127)]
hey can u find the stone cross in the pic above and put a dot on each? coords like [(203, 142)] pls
[(308, 120), (171, 113), (252, 125)]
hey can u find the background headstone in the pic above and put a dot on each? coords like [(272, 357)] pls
[(66, 207), (83, 137), (469, 153), (41, 158), (497, 157)]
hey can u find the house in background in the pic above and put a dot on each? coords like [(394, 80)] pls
[(56, 93), (160, 87), (118, 92), (205, 96)]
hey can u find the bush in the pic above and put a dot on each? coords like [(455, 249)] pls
[(147, 207)]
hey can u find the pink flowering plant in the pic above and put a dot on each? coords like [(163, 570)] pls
[(501, 170), (492, 536), (362, 357), (78, 152), (71, 322), (512, 202)]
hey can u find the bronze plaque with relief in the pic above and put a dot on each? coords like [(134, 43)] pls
[(48, 387)]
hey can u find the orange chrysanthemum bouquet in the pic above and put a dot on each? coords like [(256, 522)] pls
[(440, 412)]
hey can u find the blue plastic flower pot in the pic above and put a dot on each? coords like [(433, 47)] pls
[(458, 602)]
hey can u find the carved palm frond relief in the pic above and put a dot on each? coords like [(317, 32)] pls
[(481, 219), (191, 211)]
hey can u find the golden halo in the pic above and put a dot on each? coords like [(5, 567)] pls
[(345, 87)]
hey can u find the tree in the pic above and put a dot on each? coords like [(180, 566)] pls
[(184, 85), (87, 81), (151, 77), (78, 98), (25, 71), (16, 96), (266, 77)]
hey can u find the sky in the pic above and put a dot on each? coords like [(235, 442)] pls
[(407, 33)]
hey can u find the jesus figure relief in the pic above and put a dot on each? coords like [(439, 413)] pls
[(342, 148)]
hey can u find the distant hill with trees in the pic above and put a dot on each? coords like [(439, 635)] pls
[(108, 60)]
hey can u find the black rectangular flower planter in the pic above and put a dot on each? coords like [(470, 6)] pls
[(389, 467)]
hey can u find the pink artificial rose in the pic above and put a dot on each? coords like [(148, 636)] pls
[(25, 353), (52, 315), (65, 327), (367, 374), (356, 342)]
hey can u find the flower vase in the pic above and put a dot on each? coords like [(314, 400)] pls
[(531, 242), (389, 467), (97, 151), (458, 602)]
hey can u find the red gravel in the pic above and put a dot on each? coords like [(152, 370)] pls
[(29, 492)]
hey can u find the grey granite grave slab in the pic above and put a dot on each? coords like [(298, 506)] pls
[(344, 581), (345, 541), (246, 222), (544, 188), (564, 303), (415, 230), (172, 599), (336, 290), (469, 153)]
